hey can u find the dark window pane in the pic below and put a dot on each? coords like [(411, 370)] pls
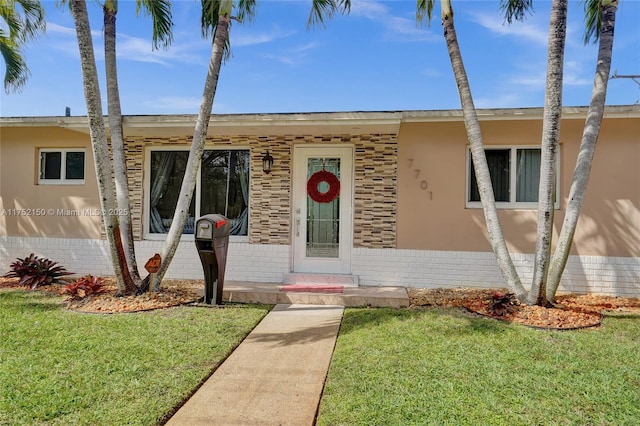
[(498, 162), (51, 165), (75, 165), (528, 175), (167, 171), (213, 182), (224, 187)]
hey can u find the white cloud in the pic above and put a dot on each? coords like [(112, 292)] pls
[(280, 58), (306, 47), (369, 9), (431, 72), (250, 39), (504, 100), (141, 50), (396, 27), (53, 28), (186, 47), (530, 81), (293, 56), (527, 30), (174, 104), (572, 74)]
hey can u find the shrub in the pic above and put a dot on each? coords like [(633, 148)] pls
[(502, 303), (35, 271), (84, 287)]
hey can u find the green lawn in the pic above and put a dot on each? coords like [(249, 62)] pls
[(445, 367), (64, 368), (390, 367)]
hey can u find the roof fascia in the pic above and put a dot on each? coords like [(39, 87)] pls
[(508, 114)]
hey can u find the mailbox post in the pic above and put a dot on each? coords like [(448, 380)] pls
[(212, 242)]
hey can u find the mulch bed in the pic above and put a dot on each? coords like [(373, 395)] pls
[(173, 293), (578, 310)]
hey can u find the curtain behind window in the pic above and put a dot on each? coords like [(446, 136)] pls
[(161, 167), (528, 175), (167, 171)]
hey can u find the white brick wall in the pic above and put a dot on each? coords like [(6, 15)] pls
[(245, 262), (76, 255), (618, 276)]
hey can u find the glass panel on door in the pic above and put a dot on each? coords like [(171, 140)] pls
[(323, 219)]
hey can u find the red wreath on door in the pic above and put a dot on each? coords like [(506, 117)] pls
[(323, 176)]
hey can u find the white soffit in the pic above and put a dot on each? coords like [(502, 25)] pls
[(268, 124), (329, 123)]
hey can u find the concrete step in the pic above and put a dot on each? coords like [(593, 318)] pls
[(321, 279), (272, 293)]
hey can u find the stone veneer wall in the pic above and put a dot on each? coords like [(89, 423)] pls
[(375, 184)]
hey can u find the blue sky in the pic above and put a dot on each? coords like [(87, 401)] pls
[(375, 59)]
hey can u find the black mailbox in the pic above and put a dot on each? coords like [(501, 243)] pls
[(212, 242)]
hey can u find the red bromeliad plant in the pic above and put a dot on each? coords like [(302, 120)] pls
[(85, 286), (502, 303), (35, 271)]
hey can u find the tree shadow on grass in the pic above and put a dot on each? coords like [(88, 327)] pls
[(440, 319), (21, 300)]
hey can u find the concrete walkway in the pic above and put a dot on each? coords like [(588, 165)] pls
[(275, 376)]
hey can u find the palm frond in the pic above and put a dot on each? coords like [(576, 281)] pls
[(211, 10), (516, 9), (33, 18), (209, 17), (23, 21), (16, 69), (326, 9), (25, 25), (161, 16), (246, 10), (424, 11), (592, 20), (10, 16)]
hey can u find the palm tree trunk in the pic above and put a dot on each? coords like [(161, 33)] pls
[(550, 137), (587, 149), (483, 177), (197, 147), (99, 145), (117, 141)]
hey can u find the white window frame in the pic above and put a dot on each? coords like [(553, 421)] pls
[(513, 158), (63, 179), (147, 192)]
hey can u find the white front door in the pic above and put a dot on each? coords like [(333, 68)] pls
[(322, 233)]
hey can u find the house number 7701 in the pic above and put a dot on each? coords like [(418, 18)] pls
[(423, 182)]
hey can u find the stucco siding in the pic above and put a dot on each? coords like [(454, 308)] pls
[(30, 209), (432, 188)]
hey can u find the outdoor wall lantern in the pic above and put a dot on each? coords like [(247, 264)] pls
[(267, 162)]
